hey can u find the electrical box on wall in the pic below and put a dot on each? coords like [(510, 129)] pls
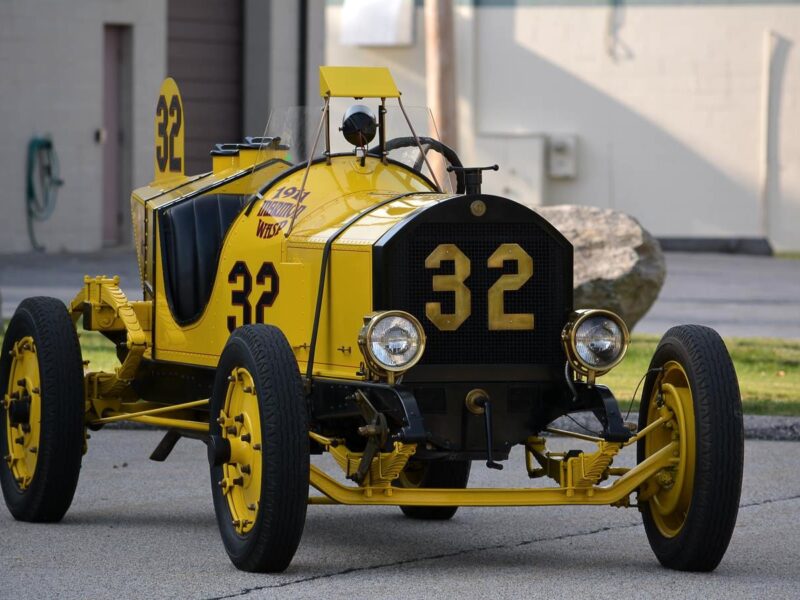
[(382, 23), (562, 156)]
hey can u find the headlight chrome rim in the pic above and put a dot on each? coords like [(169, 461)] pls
[(570, 330), (365, 340)]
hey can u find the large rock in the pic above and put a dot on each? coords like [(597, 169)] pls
[(618, 265)]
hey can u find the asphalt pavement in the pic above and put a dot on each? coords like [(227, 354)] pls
[(147, 530), (738, 295), (741, 296)]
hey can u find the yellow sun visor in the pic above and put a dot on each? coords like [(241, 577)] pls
[(357, 82)]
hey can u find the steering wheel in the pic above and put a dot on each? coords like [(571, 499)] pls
[(429, 143)]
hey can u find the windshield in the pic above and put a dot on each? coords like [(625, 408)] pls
[(293, 131)]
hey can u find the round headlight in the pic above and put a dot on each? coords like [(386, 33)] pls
[(392, 341), (596, 340), (599, 341)]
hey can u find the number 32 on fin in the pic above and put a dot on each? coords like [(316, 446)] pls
[(169, 132)]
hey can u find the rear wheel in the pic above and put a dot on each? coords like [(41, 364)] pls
[(258, 450), (433, 474), (689, 510), (41, 429)]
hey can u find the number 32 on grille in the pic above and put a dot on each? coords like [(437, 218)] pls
[(508, 282)]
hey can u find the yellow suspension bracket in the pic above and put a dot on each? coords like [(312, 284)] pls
[(574, 469), (104, 307), (384, 469)]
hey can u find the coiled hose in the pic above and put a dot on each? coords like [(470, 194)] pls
[(42, 183)]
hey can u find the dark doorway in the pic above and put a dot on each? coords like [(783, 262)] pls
[(204, 55), (115, 134)]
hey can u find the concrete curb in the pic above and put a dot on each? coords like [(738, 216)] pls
[(757, 427)]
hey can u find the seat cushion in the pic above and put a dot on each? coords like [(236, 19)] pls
[(192, 234)]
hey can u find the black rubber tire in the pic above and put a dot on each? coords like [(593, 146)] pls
[(719, 437), (61, 438), (271, 544), (439, 474)]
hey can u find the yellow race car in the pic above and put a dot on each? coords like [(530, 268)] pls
[(323, 292)]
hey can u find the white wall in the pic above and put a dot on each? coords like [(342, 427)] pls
[(51, 81), (667, 99)]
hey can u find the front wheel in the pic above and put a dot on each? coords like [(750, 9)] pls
[(258, 450), (41, 422), (689, 510)]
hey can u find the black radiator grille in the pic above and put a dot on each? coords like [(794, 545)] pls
[(546, 294)]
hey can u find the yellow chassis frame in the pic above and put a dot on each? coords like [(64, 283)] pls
[(578, 477), (108, 399)]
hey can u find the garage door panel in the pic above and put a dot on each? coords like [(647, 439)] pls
[(203, 31), (204, 55), (219, 11)]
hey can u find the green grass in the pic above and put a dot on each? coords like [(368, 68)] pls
[(99, 351), (768, 370)]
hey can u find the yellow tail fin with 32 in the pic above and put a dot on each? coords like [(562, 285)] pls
[(169, 128)]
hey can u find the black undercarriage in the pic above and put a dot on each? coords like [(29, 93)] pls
[(436, 416)]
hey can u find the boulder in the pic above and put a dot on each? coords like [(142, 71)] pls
[(619, 266)]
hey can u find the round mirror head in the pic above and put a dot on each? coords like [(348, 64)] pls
[(359, 125)]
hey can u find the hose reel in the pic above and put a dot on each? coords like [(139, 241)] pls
[(41, 184)]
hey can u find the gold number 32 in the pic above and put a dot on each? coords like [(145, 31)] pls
[(508, 282)]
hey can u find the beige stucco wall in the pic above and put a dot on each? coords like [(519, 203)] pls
[(668, 101), (51, 81)]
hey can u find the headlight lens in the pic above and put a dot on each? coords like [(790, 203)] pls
[(595, 341), (393, 341), (599, 341)]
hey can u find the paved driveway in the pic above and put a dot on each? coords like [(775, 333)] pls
[(147, 530), (742, 296)]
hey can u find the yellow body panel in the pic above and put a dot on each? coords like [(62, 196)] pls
[(333, 194)]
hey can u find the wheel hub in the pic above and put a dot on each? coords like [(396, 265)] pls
[(674, 486), (22, 405), (239, 450)]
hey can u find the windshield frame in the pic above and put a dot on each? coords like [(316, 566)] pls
[(324, 124), (326, 121)]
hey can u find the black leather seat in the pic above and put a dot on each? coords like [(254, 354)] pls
[(192, 232)]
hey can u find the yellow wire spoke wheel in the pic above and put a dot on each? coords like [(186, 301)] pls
[(258, 449), (689, 508), (23, 407), (41, 420), (241, 427), (672, 397)]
